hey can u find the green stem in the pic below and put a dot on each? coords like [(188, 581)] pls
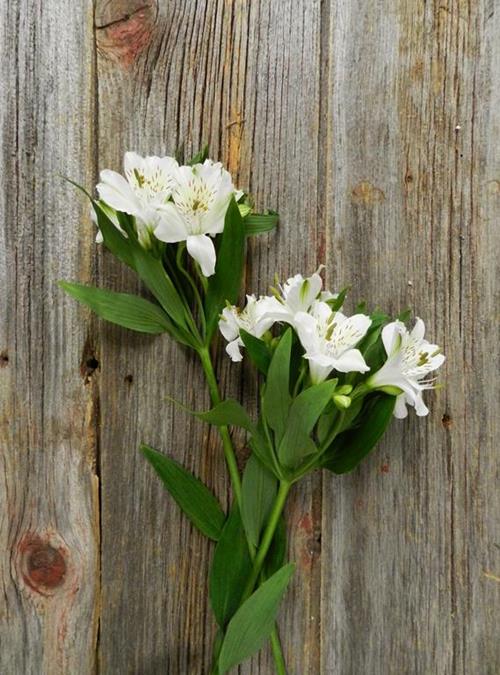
[(267, 538), (227, 445), (279, 659)]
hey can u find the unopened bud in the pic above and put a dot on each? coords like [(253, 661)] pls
[(345, 389), (342, 402)]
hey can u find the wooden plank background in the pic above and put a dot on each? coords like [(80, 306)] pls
[(372, 127)]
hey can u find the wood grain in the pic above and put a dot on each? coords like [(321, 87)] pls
[(371, 128), (49, 511)]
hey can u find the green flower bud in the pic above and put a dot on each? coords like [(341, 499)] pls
[(342, 402), (345, 389)]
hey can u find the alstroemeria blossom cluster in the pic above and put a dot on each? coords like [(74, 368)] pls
[(330, 381), (330, 340), (171, 202)]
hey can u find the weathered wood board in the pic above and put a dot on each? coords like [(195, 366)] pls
[(372, 127)]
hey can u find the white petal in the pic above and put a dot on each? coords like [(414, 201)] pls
[(420, 408), (116, 192), (437, 361), (233, 349), (391, 336), (172, 227), (305, 325), (228, 325), (322, 311), (418, 331), (202, 249), (319, 372), (351, 361), (400, 409)]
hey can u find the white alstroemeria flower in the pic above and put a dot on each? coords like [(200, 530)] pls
[(251, 318), (200, 199), (147, 186), (297, 294), (329, 339), (410, 360)]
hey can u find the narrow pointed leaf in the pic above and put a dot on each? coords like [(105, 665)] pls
[(252, 624), (153, 274), (193, 497), (114, 240), (351, 447), (258, 223), (259, 488), (257, 350), (304, 413), (129, 311), (227, 413), (225, 284), (230, 569), (276, 399), (200, 156), (277, 551)]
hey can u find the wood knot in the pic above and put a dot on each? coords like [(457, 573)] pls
[(124, 30), (367, 194), (4, 359), (43, 565), (446, 421)]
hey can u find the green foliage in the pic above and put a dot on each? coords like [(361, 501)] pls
[(259, 488), (354, 445), (304, 413), (230, 569), (224, 285), (277, 552), (258, 223), (129, 311), (276, 399), (193, 497), (258, 351), (253, 622), (227, 413)]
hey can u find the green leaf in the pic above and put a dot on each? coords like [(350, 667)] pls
[(230, 569), (259, 488), (225, 284), (276, 398), (153, 274), (193, 497), (277, 551), (252, 624), (227, 413), (352, 446), (200, 156), (336, 303), (129, 311), (114, 240), (405, 315), (258, 223), (257, 350), (304, 413)]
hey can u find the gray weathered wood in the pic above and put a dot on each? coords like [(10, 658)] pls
[(371, 127), (49, 530)]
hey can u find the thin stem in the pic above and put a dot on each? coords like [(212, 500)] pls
[(227, 445), (267, 538), (190, 280), (331, 437), (279, 659)]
